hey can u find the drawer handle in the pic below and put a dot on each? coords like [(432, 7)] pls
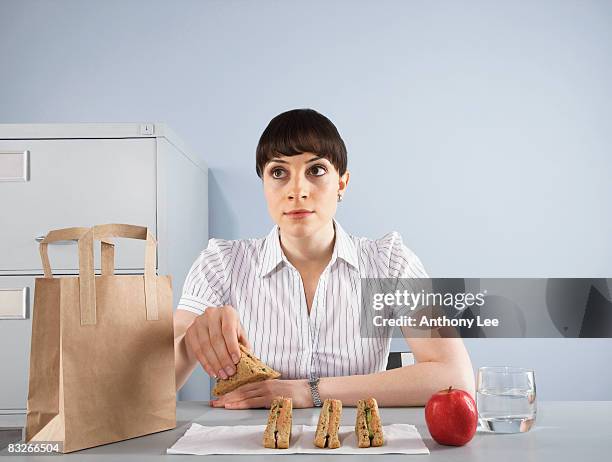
[(14, 166), (14, 303), (42, 238)]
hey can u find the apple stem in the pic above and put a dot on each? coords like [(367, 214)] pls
[(450, 388)]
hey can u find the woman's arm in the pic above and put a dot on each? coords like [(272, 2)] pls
[(441, 362), (184, 364)]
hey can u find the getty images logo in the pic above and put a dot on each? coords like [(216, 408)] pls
[(414, 300)]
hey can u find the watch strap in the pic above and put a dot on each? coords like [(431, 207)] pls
[(314, 391)]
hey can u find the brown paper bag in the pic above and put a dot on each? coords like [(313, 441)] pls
[(102, 354)]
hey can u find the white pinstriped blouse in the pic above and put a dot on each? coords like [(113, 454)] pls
[(255, 277)]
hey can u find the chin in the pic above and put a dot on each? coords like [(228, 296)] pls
[(298, 228)]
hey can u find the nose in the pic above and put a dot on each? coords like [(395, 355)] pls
[(298, 187)]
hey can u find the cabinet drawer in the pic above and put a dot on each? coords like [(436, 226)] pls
[(74, 182), (15, 348)]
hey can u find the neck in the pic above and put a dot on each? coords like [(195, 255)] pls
[(310, 251)]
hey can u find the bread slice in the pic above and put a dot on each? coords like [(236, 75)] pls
[(277, 434), (368, 426), (326, 435), (249, 369)]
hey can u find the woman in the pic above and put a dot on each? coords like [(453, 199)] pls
[(293, 296)]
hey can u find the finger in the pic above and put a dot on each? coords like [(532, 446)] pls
[(241, 393), (217, 340), (194, 345), (229, 328), (209, 353), (259, 387), (250, 403), (242, 338)]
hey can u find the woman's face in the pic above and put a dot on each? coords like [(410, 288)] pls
[(303, 182)]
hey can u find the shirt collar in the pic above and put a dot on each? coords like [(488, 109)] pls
[(271, 254)]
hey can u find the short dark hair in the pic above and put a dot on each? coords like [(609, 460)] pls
[(298, 131)]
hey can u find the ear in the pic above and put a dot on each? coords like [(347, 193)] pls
[(343, 183)]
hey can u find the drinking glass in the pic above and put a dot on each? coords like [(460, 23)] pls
[(506, 399)]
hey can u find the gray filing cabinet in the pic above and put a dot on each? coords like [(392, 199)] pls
[(62, 175)]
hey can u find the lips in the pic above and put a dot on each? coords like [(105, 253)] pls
[(299, 213)]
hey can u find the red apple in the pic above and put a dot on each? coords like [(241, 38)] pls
[(451, 417)]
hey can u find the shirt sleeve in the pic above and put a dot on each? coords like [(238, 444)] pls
[(406, 268), (205, 285), (403, 262)]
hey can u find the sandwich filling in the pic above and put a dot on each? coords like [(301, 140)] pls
[(329, 416), (278, 411), (368, 415)]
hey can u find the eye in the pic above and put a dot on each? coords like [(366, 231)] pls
[(277, 173), (318, 170)]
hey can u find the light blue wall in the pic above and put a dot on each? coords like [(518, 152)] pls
[(480, 130)]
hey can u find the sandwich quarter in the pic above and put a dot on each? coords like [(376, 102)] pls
[(326, 435), (248, 370), (277, 434), (368, 426)]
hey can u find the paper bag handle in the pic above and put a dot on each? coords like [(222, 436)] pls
[(104, 232), (85, 238), (74, 234)]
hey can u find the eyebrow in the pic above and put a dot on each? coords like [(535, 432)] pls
[(285, 162)]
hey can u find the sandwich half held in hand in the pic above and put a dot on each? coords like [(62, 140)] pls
[(326, 435), (249, 369), (278, 431), (368, 426)]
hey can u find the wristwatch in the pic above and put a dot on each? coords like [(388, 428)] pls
[(313, 383)]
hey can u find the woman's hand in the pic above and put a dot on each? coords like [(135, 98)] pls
[(212, 338), (261, 394)]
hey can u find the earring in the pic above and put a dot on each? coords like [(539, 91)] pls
[(339, 197)]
